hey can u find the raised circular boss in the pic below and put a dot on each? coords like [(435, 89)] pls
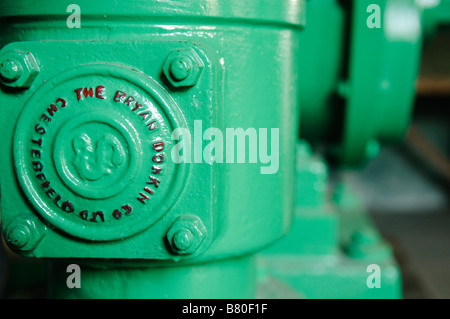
[(92, 152)]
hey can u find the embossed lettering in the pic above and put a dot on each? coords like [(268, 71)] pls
[(93, 155), (158, 146), (151, 126), (39, 129), (158, 158), (144, 115), (56, 200), (117, 214), (119, 95), (37, 166), (156, 169), (45, 118), (129, 100), (68, 207), (148, 190), (53, 109), (153, 181), (78, 92), (45, 184), (84, 214), (99, 92), (143, 198), (38, 142), (94, 216), (136, 106), (88, 92), (50, 192), (35, 153), (127, 209)]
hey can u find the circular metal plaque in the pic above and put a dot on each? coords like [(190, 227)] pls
[(93, 149)]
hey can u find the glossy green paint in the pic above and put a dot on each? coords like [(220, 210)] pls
[(228, 64), (74, 188), (226, 278), (383, 68), (359, 90), (323, 58), (315, 225), (231, 64)]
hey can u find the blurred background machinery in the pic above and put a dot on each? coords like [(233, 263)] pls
[(371, 160), (366, 177)]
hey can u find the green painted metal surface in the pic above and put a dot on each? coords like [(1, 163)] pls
[(360, 89), (89, 114), (322, 65), (226, 278), (88, 171), (383, 68)]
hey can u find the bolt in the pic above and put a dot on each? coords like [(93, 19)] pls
[(10, 70), (18, 69), (367, 243), (180, 69), (24, 232), (186, 235), (19, 236), (182, 239), (372, 149), (365, 236), (183, 67)]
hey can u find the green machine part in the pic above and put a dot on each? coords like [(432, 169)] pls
[(93, 119), (359, 93), (332, 246), (362, 90)]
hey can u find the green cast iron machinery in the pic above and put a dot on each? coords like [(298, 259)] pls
[(360, 93), (91, 117), (92, 172), (362, 90)]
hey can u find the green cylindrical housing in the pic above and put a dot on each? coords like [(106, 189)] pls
[(358, 71), (116, 87)]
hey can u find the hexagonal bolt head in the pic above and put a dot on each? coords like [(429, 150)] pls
[(186, 235), (24, 233), (183, 68), (18, 69)]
